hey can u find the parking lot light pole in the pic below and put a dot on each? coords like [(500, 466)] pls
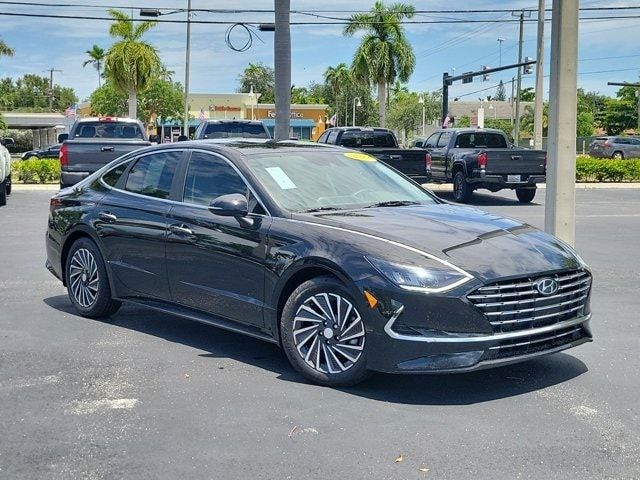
[(358, 103), (421, 101)]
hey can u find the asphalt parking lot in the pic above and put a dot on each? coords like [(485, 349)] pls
[(149, 396)]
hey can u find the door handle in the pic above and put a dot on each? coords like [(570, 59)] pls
[(107, 149), (516, 157), (180, 229), (107, 217)]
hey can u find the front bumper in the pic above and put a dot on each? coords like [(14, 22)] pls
[(447, 334)]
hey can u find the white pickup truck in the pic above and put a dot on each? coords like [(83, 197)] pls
[(5, 170)]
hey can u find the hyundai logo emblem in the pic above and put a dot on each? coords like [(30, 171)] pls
[(547, 286)]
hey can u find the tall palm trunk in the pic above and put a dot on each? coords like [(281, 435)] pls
[(99, 67), (133, 103), (282, 51), (382, 103)]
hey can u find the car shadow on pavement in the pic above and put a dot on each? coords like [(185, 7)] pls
[(214, 342), (487, 200), (451, 389)]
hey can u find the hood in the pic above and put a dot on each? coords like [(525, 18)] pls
[(486, 245)]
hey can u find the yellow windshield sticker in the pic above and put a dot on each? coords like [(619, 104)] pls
[(363, 157)]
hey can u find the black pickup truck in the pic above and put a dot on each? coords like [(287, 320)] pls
[(94, 142), (212, 129), (474, 158), (382, 144)]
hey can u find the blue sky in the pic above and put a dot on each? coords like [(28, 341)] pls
[(44, 43)]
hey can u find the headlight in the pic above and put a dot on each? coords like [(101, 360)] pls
[(434, 277)]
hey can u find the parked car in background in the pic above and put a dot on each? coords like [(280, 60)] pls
[(212, 129), (473, 158), (5, 170), (615, 147), (327, 252), (94, 142), (382, 144), (51, 151)]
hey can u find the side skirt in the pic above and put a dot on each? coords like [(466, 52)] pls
[(201, 317)]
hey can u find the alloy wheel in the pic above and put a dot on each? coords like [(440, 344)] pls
[(83, 277), (329, 333)]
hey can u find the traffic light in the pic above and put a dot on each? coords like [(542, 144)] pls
[(485, 76), (527, 69)]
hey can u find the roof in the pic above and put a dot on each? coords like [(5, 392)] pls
[(294, 122), (361, 129), (251, 146), (107, 119)]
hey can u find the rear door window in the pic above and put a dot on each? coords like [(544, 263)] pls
[(112, 177), (332, 137), (152, 175)]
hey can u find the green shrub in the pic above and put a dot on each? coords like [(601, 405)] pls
[(590, 169), (34, 170)]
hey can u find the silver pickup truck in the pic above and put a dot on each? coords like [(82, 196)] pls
[(5, 170), (94, 142)]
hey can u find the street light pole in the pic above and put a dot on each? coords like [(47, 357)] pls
[(516, 133), (421, 100), (353, 118), (500, 40), (185, 125), (539, 105)]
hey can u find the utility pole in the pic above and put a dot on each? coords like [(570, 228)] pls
[(539, 106), (516, 136), (51, 72), (185, 124), (282, 51), (560, 204)]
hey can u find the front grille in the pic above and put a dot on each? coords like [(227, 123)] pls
[(517, 305), (535, 343)]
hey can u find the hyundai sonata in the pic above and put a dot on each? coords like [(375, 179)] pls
[(346, 264)]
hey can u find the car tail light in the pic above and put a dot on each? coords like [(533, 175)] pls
[(606, 144), (54, 204), (482, 160), (427, 161), (64, 156)]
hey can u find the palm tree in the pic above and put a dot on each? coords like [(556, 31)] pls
[(338, 78), (96, 57), (384, 54), (282, 64), (130, 63), (5, 50)]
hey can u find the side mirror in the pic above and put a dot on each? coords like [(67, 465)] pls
[(428, 145), (7, 141), (62, 137), (232, 205), (154, 138), (183, 138)]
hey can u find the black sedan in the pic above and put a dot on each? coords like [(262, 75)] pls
[(345, 263), (51, 151)]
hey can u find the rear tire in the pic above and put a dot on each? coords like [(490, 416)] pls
[(316, 315), (461, 189), (525, 195), (618, 155), (87, 281), (3, 193)]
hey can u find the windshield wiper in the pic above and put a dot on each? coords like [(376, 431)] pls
[(320, 209), (393, 203)]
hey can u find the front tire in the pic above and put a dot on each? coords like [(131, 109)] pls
[(87, 281), (525, 195), (323, 333), (461, 189)]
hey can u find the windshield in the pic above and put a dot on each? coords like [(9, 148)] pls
[(235, 130), (315, 180)]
